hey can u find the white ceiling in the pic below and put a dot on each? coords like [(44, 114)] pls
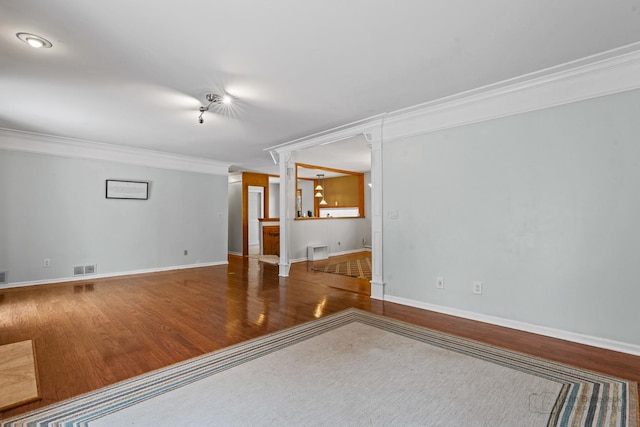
[(134, 73)]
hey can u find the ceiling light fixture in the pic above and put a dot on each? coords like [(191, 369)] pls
[(34, 40), (214, 98)]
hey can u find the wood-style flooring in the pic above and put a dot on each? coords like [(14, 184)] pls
[(94, 333)]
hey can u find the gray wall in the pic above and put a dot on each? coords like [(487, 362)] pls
[(235, 217), (339, 234), (308, 196), (274, 200), (55, 207), (367, 207), (542, 207)]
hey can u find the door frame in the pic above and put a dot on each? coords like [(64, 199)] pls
[(250, 179)]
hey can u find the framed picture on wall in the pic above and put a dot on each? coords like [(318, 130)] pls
[(117, 189)]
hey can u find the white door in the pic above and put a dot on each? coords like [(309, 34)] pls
[(255, 210)]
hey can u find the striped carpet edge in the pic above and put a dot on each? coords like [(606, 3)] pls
[(586, 399), (360, 268)]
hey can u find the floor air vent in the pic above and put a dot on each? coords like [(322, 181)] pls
[(78, 270), (4, 277)]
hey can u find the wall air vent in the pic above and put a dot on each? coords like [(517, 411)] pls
[(81, 270), (4, 277)]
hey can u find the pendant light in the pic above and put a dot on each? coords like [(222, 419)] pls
[(320, 190)]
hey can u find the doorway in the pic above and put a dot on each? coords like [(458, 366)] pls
[(258, 182), (255, 212)]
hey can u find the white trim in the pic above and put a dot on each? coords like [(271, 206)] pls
[(235, 253), (351, 251), (283, 269), (89, 277), (377, 290), (325, 137), (548, 88), (606, 73), (75, 148), (522, 326)]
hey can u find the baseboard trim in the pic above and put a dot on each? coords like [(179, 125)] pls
[(377, 290), (90, 277), (352, 251), (522, 326)]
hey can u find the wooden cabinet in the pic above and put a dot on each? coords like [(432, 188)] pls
[(271, 240)]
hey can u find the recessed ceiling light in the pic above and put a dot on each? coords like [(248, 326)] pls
[(34, 40)]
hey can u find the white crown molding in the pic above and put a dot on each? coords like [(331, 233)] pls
[(74, 148), (329, 136), (588, 78), (606, 73), (522, 326)]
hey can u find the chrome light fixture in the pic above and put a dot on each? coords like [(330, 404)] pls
[(34, 41), (213, 98)]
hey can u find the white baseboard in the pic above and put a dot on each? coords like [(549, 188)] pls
[(352, 251), (235, 253), (522, 326), (283, 270), (89, 277), (377, 290)]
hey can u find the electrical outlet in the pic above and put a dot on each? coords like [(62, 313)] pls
[(47, 262), (186, 252), (477, 287), (440, 282)]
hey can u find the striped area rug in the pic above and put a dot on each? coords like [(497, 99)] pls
[(360, 268), (355, 368)]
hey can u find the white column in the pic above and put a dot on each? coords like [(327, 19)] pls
[(286, 193), (374, 138)]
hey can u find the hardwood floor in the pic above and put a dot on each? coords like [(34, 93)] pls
[(91, 334)]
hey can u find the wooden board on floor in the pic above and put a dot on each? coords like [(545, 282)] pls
[(18, 375)]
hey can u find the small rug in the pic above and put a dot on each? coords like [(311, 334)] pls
[(18, 377), (269, 259), (360, 268), (355, 368)]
